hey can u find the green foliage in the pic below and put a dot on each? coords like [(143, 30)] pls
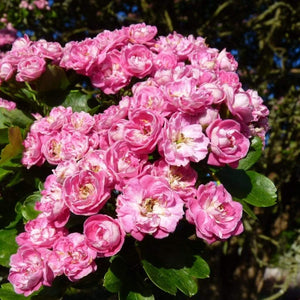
[(253, 155), (27, 209), (10, 155), (121, 279), (7, 293), (14, 147), (249, 186), (8, 246), (168, 269), (14, 117), (78, 101), (159, 265)]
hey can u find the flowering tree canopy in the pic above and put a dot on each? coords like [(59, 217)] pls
[(121, 142), (160, 162)]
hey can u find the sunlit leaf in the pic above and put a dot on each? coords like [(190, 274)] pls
[(14, 117), (253, 154), (128, 284), (14, 147), (8, 246), (171, 265), (27, 209), (7, 293), (249, 186), (78, 101)]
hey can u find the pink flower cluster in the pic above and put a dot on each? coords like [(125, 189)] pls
[(39, 4), (7, 35), (138, 156), (27, 60), (9, 105)]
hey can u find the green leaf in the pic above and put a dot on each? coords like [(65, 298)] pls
[(253, 154), (18, 216), (113, 276), (171, 265), (7, 293), (247, 209), (8, 245), (54, 78), (27, 209), (121, 279), (163, 278), (130, 295), (263, 193), (3, 136), (78, 101), (236, 182), (4, 173), (14, 147), (14, 117), (28, 93), (13, 170), (249, 186)]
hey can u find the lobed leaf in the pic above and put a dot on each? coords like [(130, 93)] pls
[(127, 283), (170, 270), (78, 101), (14, 117)]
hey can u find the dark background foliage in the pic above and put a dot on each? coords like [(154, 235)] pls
[(263, 35)]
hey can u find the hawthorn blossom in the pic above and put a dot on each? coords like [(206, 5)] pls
[(181, 179), (32, 154), (45, 49), (260, 111), (40, 232), (149, 206), (80, 56), (8, 105), (110, 76), (189, 97), (141, 33), (227, 144), (94, 161), (143, 130), (29, 269), (183, 141), (7, 70), (65, 169), (148, 95), (80, 122), (52, 204), (137, 60), (177, 43), (52, 148), (71, 256), (214, 213), (30, 68), (225, 61), (86, 192), (104, 234), (73, 145), (123, 162)]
